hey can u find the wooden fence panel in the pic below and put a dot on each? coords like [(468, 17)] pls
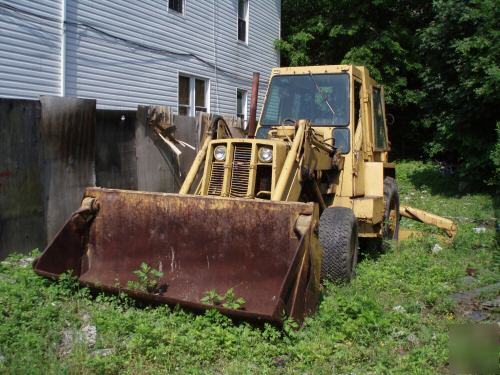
[(68, 150), (21, 192), (115, 161)]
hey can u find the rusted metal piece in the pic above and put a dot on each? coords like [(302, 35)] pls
[(260, 249), (253, 106), (428, 218)]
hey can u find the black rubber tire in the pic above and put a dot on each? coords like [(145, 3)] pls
[(391, 202), (338, 234)]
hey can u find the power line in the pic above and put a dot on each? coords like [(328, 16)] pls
[(138, 45)]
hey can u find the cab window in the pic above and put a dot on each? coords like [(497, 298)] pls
[(322, 99), (378, 120)]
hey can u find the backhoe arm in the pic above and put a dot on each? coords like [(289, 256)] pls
[(426, 217)]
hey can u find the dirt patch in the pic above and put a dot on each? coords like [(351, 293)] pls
[(473, 305)]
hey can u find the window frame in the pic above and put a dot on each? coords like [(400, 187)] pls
[(374, 130), (179, 105), (268, 98), (191, 108), (173, 11), (246, 20), (357, 108), (244, 119)]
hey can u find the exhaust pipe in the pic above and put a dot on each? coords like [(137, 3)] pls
[(253, 105)]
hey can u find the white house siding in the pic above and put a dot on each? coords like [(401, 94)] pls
[(30, 48), (120, 52), (125, 73)]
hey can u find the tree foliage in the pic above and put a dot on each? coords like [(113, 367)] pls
[(461, 48), (439, 61)]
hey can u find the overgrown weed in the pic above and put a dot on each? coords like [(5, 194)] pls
[(394, 317)]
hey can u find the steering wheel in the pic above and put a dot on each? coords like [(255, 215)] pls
[(290, 120)]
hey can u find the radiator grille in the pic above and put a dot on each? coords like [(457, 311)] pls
[(241, 170), (216, 179)]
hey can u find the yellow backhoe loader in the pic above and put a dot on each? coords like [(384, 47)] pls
[(259, 221)]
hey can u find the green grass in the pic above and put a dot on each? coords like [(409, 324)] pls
[(394, 317)]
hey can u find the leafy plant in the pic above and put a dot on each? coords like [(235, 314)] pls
[(228, 300), (212, 298), (231, 301), (148, 279)]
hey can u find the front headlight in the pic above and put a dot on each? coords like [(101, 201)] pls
[(265, 154), (220, 153)]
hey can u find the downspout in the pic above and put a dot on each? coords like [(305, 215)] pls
[(215, 56), (62, 75)]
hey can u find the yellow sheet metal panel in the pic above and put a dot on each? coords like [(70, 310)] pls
[(378, 210), (374, 179), (369, 209), (367, 230), (359, 178), (342, 202), (363, 208)]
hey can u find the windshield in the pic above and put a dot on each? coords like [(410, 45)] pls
[(322, 99)]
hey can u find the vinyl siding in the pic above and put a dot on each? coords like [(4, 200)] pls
[(123, 74), (127, 53), (30, 49)]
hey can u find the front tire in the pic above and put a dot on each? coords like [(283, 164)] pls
[(338, 234)]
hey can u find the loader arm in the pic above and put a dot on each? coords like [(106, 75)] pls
[(218, 128), (300, 160), (195, 167), (288, 186)]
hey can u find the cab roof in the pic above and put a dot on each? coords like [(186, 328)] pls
[(356, 70)]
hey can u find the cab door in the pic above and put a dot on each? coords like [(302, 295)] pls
[(357, 135)]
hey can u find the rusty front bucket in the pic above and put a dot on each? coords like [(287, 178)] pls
[(261, 250)]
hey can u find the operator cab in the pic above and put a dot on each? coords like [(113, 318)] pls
[(322, 98)]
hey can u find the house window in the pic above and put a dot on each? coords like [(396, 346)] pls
[(200, 91), (184, 94), (241, 106), (243, 20), (193, 95), (176, 5)]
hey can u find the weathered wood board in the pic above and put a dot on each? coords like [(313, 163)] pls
[(21, 203), (67, 129), (115, 160)]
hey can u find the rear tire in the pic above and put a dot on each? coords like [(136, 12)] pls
[(338, 234), (390, 225)]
